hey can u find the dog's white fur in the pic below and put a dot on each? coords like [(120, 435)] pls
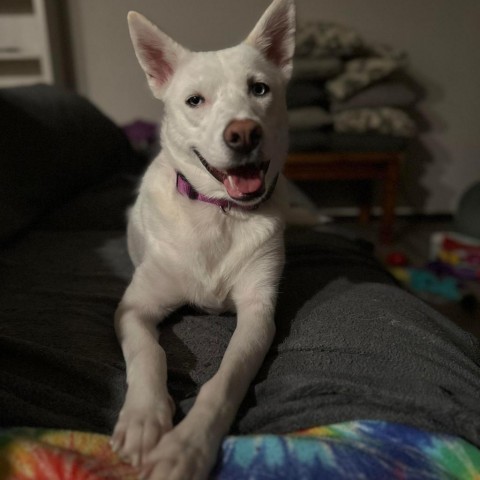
[(188, 251)]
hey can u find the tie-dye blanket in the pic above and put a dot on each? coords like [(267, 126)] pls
[(361, 449)]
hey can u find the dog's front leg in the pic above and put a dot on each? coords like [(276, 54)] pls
[(148, 409), (191, 448)]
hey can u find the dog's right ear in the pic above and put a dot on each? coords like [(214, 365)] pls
[(156, 52)]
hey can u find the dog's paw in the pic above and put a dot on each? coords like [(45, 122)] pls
[(139, 429), (181, 454)]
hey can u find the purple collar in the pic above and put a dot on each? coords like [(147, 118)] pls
[(185, 188)]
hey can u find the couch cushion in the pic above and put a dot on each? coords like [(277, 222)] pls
[(53, 144)]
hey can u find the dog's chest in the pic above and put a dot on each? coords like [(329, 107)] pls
[(209, 249), (217, 252)]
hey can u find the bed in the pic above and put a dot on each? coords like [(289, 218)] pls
[(363, 380)]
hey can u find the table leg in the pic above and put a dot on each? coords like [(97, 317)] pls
[(390, 189)]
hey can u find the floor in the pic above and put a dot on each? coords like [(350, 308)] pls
[(412, 238)]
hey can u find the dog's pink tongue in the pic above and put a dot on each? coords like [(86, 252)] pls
[(243, 180)]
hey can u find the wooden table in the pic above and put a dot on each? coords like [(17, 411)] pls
[(382, 166)]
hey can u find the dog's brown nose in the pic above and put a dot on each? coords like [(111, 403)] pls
[(243, 136)]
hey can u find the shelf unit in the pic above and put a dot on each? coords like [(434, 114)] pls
[(25, 48)]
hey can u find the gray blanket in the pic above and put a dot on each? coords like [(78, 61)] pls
[(349, 345)]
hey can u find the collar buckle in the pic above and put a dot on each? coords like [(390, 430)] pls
[(226, 208)]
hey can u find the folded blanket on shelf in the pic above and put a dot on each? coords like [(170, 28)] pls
[(323, 39), (382, 120), (307, 118), (321, 68), (389, 93), (358, 64), (360, 73)]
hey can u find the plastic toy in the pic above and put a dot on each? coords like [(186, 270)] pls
[(423, 281), (397, 259), (455, 255)]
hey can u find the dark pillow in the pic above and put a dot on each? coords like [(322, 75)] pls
[(305, 93), (328, 141), (53, 144)]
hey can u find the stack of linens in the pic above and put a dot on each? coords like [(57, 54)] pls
[(347, 94)]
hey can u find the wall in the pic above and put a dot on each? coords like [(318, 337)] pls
[(441, 36)]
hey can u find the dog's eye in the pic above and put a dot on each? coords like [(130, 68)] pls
[(195, 101), (259, 89)]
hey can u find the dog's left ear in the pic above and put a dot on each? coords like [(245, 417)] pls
[(274, 34)]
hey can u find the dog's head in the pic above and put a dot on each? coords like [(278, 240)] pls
[(225, 121)]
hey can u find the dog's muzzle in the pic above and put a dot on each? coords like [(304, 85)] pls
[(242, 183)]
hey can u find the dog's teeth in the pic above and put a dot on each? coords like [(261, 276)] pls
[(230, 180)]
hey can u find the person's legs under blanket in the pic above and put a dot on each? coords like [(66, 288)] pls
[(350, 345), (369, 351)]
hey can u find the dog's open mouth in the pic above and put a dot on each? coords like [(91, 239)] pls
[(242, 183)]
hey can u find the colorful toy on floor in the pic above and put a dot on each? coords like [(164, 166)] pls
[(455, 259), (434, 287), (423, 281), (456, 255)]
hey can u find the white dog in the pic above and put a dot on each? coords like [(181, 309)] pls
[(206, 229)]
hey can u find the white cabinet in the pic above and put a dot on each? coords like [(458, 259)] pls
[(25, 49)]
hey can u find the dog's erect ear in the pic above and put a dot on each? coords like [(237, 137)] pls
[(157, 53), (274, 34)]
